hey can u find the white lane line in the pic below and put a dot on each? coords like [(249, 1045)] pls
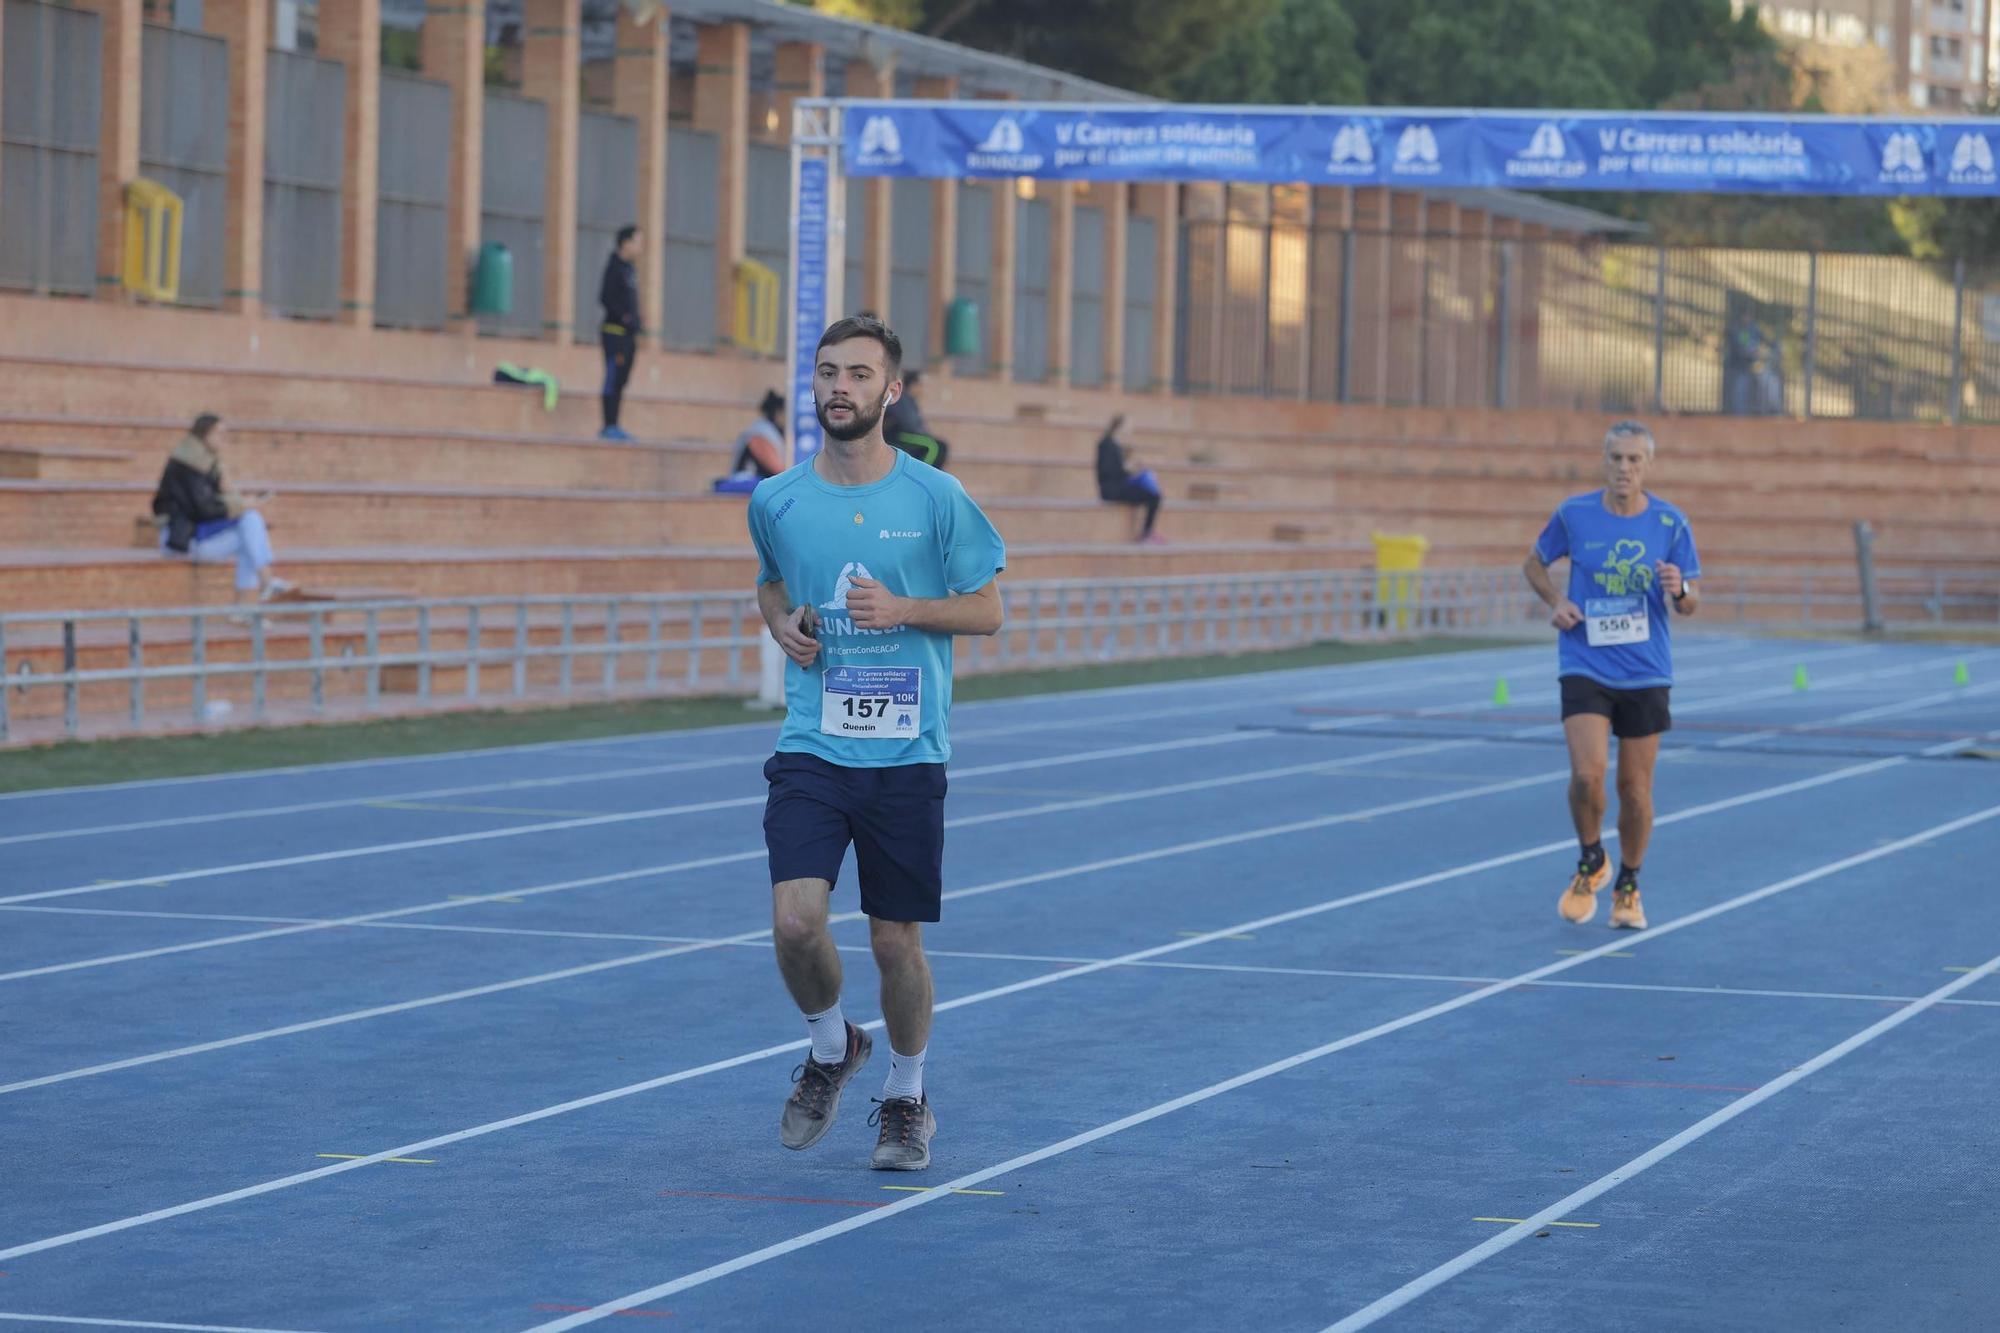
[(1867, 714), (1478, 1254), (975, 1178), (1398, 686), (1335, 670), (18, 1317), (509, 895), (521, 830), (979, 955), (1047, 979), (747, 937)]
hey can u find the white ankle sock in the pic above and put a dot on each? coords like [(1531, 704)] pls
[(906, 1075), (829, 1035)]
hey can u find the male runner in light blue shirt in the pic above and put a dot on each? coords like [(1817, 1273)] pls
[(1632, 568), (868, 563)]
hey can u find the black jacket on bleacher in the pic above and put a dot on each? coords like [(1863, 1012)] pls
[(189, 496), (618, 293)]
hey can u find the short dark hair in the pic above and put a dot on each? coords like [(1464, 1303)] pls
[(204, 425), (773, 405), (912, 379), (866, 326), (627, 232)]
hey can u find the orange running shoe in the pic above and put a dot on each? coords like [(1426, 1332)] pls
[(1626, 911), (1579, 900)]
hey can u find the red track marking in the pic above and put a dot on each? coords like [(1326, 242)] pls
[(1648, 1083), (768, 1198), (615, 1314)]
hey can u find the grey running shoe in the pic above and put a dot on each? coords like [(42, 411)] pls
[(816, 1090), (905, 1141)]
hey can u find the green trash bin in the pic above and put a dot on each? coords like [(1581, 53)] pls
[(961, 327), (493, 280)]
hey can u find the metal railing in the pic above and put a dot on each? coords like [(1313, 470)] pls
[(105, 672)]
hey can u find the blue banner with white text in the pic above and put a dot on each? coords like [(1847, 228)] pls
[(1490, 150), (808, 303)]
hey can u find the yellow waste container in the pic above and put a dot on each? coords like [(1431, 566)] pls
[(1399, 562)]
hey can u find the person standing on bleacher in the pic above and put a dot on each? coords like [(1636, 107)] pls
[(623, 323)]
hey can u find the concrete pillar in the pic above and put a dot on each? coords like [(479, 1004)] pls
[(1062, 279), (455, 55), (944, 240), (245, 25), (866, 80), (722, 107), (1368, 358), (639, 90), (122, 24), (1116, 200), (552, 73), (350, 31), (1163, 204), (800, 72)]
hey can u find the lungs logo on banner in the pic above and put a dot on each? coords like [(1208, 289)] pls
[(1903, 159), (1004, 151), (1353, 152), (1417, 152), (1972, 161), (1547, 156), (881, 143)]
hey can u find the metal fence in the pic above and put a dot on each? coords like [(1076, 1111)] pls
[(513, 167), (1270, 304), (687, 258), (305, 135), (99, 672), (607, 198), (184, 145), (48, 148), (413, 259)]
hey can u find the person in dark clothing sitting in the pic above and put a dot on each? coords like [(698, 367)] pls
[(1117, 484), (202, 518), (623, 323), (903, 426)]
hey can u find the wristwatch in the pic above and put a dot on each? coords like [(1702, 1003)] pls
[(1681, 596)]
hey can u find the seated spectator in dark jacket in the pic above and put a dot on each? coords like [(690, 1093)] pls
[(760, 450), (205, 519), (1118, 484), (903, 426)]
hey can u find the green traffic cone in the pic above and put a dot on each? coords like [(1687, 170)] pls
[(1961, 676), (1502, 696), (1798, 678)]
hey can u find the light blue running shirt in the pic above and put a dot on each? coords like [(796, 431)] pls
[(1611, 577), (873, 698)]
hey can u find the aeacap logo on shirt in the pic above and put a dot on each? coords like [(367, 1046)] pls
[(888, 534), (843, 585), (881, 143)]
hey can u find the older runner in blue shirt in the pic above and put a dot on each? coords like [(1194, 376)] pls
[(869, 561), (1632, 568)]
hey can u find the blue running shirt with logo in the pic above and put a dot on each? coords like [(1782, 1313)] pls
[(1613, 579), (872, 698)]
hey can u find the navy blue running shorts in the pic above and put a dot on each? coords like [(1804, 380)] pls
[(894, 817), (1633, 713)]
